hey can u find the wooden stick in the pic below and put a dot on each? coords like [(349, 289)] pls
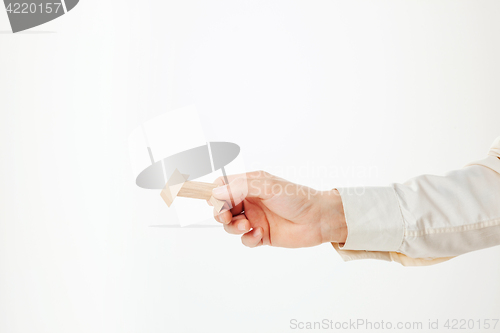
[(196, 190), (189, 189), (199, 190)]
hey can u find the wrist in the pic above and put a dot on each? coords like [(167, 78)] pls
[(333, 223)]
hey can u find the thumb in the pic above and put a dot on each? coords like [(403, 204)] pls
[(240, 188)]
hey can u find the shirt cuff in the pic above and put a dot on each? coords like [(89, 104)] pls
[(490, 162), (495, 148), (349, 255), (373, 217)]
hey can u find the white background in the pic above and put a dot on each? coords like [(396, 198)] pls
[(405, 87)]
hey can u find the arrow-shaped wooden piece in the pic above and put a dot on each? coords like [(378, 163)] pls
[(178, 186)]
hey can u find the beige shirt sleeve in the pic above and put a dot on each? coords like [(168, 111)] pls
[(428, 219)]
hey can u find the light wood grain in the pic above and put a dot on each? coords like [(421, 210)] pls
[(217, 204), (196, 190)]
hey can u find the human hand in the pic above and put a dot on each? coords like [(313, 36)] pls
[(268, 210)]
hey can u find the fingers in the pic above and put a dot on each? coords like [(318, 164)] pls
[(223, 217), (252, 238), (226, 214), (238, 226), (257, 185), (221, 181), (238, 209)]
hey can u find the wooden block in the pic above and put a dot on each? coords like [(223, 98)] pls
[(173, 186), (217, 204), (191, 189), (196, 190)]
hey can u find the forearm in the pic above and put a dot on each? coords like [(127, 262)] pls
[(426, 217)]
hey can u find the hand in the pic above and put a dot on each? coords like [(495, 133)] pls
[(268, 210)]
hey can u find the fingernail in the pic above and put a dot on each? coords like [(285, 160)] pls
[(258, 233), (242, 226), (221, 190)]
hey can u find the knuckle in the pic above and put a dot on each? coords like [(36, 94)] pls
[(219, 181), (264, 174), (267, 175)]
